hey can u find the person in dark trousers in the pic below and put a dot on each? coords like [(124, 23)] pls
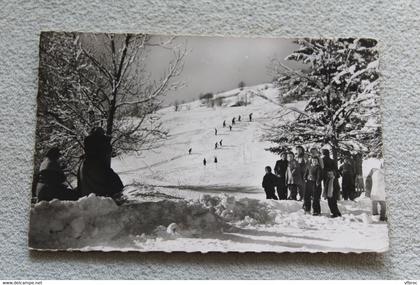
[(221, 142), (224, 123), (189, 151), (95, 174), (280, 170), (331, 186), (313, 178), (50, 182), (293, 176), (250, 117), (269, 184), (215, 159), (346, 171), (239, 118), (233, 121), (204, 162), (230, 127), (216, 145), (215, 131), (300, 158)]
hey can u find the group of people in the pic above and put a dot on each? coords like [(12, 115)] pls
[(94, 175), (310, 176)]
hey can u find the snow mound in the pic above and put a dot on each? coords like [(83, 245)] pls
[(100, 222)]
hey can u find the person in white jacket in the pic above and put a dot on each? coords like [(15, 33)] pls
[(376, 182)]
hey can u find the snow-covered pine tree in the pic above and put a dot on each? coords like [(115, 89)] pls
[(343, 109)]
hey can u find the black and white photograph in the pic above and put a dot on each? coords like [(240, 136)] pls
[(208, 144)]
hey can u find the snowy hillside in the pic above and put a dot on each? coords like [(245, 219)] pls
[(241, 158), (175, 203)]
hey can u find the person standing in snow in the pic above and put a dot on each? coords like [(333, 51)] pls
[(224, 123), (239, 118), (375, 188), (280, 170), (50, 179), (269, 182), (204, 162), (215, 159), (189, 151), (348, 178), (233, 120), (293, 176), (95, 174), (250, 117), (230, 127), (313, 178), (221, 142), (216, 145), (215, 131), (300, 158), (331, 186)]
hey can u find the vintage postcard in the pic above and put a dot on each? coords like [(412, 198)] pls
[(202, 144)]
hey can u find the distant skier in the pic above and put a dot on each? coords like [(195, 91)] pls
[(204, 162), (216, 145), (230, 127), (250, 117), (215, 131), (189, 151), (215, 159), (221, 142), (233, 120), (224, 123), (239, 118)]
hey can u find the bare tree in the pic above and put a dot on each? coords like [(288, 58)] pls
[(89, 80)]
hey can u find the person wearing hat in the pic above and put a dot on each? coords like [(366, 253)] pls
[(51, 179), (280, 171)]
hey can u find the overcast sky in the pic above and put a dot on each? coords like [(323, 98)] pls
[(215, 64)]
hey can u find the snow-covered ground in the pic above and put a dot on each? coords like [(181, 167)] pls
[(175, 203)]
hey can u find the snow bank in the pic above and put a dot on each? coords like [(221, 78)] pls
[(99, 221)]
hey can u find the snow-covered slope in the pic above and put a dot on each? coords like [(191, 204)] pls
[(241, 158)]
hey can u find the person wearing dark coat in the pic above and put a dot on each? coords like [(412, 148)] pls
[(215, 159), (280, 170), (230, 127), (313, 178), (348, 178), (204, 162), (300, 158), (233, 121), (221, 142), (250, 117), (269, 183), (95, 174), (189, 151), (215, 131), (331, 186), (51, 179), (239, 118), (224, 123)]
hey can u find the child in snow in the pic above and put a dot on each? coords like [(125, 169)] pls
[(348, 177), (375, 186), (269, 183), (313, 177)]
